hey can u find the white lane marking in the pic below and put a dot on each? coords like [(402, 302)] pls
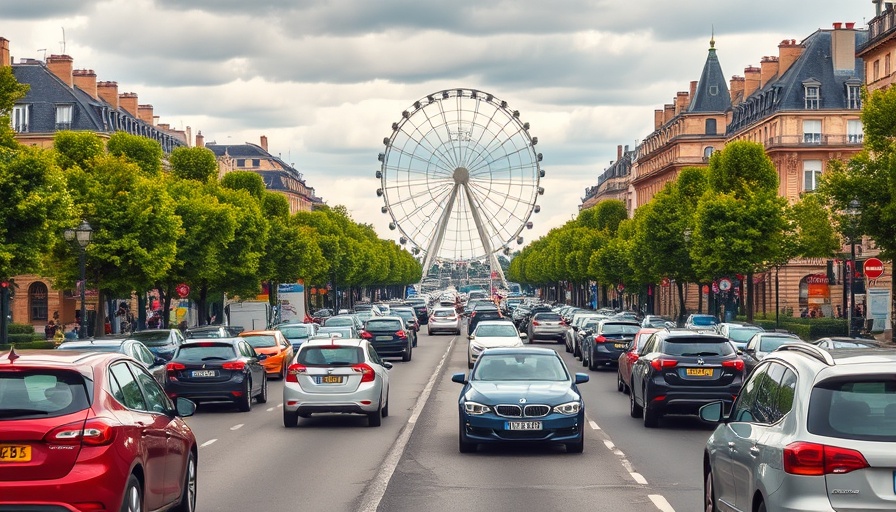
[(237, 427), (593, 425), (638, 478), (269, 409), (661, 502), (609, 444), (210, 441), (377, 487)]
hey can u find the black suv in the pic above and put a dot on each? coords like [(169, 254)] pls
[(679, 371), (420, 310), (483, 312)]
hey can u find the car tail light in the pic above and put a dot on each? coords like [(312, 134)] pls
[(234, 365), (813, 459), (93, 432), (660, 364), (737, 364), (632, 356), (600, 339), (172, 368), (367, 374), (401, 334), (293, 371), (366, 335), (535, 323)]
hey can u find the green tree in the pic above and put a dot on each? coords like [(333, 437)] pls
[(76, 149), (143, 151), (245, 180), (10, 92), (197, 163)]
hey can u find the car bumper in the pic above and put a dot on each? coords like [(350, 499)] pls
[(390, 348), (669, 401), (606, 355), (443, 326), (538, 334), (230, 390), (364, 400), (490, 428)]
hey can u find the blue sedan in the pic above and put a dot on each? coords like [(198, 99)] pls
[(521, 395)]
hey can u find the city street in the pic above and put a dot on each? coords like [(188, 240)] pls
[(336, 463)]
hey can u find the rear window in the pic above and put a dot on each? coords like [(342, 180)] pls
[(383, 325), (443, 313), (703, 320), (336, 321), (771, 343), (742, 335), (547, 317), (151, 339), (41, 394), (496, 331), (205, 352), (702, 347), (407, 315), (610, 328), (861, 408), (261, 340), (334, 355), (296, 332)]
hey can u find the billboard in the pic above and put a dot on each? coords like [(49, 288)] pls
[(291, 301)]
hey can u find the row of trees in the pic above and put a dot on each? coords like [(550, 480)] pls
[(156, 229)]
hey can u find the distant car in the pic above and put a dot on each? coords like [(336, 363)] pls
[(277, 349), (845, 343), (343, 331), (483, 312), (608, 342), (628, 358), (656, 321), (215, 370), (420, 310), (492, 334), (389, 336), (520, 395), (297, 334), (337, 376), (207, 331), (547, 326), (410, 319), (443, 319), (701, 321), (811, 430), (91, 431), (321, 314), (762, 343), (161, 342), (739, 334), (154, 364), (342, 320)]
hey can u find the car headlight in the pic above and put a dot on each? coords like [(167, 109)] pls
[(475, 408), (475, 348), (568, 408)]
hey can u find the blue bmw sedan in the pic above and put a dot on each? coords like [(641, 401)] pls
[(521, 395)]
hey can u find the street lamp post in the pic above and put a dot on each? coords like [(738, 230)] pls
[(853, 212), (83, 234)]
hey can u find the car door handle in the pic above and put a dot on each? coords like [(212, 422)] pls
[(754, 451), (732, 447)]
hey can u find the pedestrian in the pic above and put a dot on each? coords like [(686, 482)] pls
[(107, 326), (72, 334), (59, 336), (50, 330)]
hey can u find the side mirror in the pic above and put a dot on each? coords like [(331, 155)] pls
[(460, 378), (158, 361), (387, 365), (524, 336), (582, 377), (184, 407), (712, 412), (261, 357)]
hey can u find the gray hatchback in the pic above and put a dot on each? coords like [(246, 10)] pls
[(811, 430)]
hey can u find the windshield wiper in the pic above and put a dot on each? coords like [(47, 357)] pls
[(11, 413), (215, 358)]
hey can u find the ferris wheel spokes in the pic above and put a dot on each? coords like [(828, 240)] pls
[(436, 242)]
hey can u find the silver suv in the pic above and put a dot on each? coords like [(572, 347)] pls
[(811, 430)]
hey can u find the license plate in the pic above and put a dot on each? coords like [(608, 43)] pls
[(204, 373), (384, 338), (15, 453), (698, 372), (329, 379), (620, 345), (523, 425)]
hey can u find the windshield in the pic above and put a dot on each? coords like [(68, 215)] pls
[(261, 340), (151, 339), (742, 335), (541, 367), (771, 343), (41, 393), (704, 320), (493, 331)]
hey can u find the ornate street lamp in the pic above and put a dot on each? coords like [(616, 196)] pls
[(83, 235), (853, 212)]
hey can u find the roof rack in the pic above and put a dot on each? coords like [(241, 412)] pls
[(810, 350)]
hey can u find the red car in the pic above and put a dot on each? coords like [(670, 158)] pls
[(628, 358), (91, 431)]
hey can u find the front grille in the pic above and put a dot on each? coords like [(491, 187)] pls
[(510, 411), (534, 411), (528, 411)]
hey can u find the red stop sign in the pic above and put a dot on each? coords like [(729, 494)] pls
[(873, 268)]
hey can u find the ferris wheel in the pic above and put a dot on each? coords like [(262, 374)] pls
[(460, 177)]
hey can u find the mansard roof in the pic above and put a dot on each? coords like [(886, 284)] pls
[(712, 89), (47, 90)]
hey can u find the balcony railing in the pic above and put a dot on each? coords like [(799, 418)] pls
[(880, 27), (814, 141)]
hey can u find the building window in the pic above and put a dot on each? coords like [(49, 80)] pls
[(37, 301), (876, 71), (854, 131), (707, 152), (21, 115), (887, 65), (811, 173), (240, 162), (710, 127), (853, 96), (812, 131), (813, 97), (64, 117), (256, 163)]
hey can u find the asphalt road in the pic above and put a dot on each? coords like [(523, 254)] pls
[(249, 461)]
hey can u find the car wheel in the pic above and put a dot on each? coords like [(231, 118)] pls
[(188, 493), (469, 364), (290, 419), (133, 496), (651, 416), (584, 359), (591, 365), (575, 350), (284, 370), (386, 406), (263, 395), (245, 402), (635, 410), (709, 493), (620, 386), (406, 356), (464, 446), (576, 447), (375, 419)]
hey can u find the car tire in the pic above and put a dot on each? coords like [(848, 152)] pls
[(290, 419), (577, 446), (386, 406), (620, 386), (651, 416), (709, 493), (133, 496), (187, 501), (469, 364), (375, 419), (263, 395), (591, 365), (464, 446), (575, 350), (634, 410), (284, 370), (584, 359), (245, 402)]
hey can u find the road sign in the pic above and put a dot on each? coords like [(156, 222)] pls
[(724, 284), (873, 268), (182, 290), (715, 287), (620, 287), (665, 282), (705, 289)]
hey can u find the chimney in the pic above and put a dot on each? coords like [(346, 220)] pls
[(128, 102), (668, 112), (200, 140), (838, 25), (736, 86), (683, 100), (5, 59), (164, 126), (144, 113), (264, 143), (788, 53), (768, 69), (108, 92), (843, 48), (693, 91), (657, 119), (61, 66), (751, 80), (85, 79), (619, 153)]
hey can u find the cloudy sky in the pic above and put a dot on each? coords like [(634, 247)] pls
[(325, 79)]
